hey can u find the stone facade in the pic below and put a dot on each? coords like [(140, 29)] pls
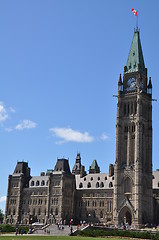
[(128, 193)]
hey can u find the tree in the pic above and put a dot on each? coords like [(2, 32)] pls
[(1, 216)]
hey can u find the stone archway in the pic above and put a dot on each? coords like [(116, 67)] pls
[(128, 217), (125, 216)]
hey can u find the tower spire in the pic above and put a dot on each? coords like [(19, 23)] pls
[(135, 60)]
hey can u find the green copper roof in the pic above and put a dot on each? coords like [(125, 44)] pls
[(135, 55), (94, 164)]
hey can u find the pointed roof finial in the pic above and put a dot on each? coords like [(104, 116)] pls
[(135, 60)]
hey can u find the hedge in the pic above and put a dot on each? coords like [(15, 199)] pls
[(6, 228), (119, 233)]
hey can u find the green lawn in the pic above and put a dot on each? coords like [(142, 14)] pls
[(51, 238)]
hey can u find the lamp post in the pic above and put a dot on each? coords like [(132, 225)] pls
[(89, 217)]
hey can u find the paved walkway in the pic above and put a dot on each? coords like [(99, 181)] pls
[(53, 230)]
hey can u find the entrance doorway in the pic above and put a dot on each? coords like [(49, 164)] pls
[(128, 218), (125, 216)]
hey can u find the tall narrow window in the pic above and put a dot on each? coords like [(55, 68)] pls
[(128, 108)]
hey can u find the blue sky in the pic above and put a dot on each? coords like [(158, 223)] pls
[(60, 62)]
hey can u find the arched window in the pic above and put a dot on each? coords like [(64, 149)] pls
[(42, 183), (101, 214), (14, 211), (32, 183), (51, 211), (97, 185), (128, 185), (81, 185), (133, 127), (107, 206), (89, 185), (110, 206), (37, 183), (56, 211), (101, 184), (110, 184), (128, 108), (39, 211)]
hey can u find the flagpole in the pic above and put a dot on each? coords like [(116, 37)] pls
[(137, 20)]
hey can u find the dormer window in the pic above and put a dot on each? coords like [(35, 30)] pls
[(42, 183), (89, 185), (97, 185), (80, 185), (32, 183), (37, 183)]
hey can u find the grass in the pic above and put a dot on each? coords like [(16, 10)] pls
[(29, 237)]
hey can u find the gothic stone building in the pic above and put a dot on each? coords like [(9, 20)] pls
[(128, 193)]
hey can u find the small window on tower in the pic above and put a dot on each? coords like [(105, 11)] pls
[(128, 108)]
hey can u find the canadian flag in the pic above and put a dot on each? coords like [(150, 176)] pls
[(134, 11)]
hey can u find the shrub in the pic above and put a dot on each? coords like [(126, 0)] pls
[(120, 233), (7, 228)]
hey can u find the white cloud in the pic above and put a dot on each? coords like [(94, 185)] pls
[(3, 113), (3, 199), (25, 124), (70, 135), (104, 137)]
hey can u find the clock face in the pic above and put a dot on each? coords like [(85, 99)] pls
[(131, 84)]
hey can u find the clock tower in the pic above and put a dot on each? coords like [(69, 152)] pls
[(133, 203)]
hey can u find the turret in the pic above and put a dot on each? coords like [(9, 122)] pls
[(120, 84), (94, 168), (149, 87)]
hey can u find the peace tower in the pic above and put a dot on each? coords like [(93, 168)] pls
[(133, 201)]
